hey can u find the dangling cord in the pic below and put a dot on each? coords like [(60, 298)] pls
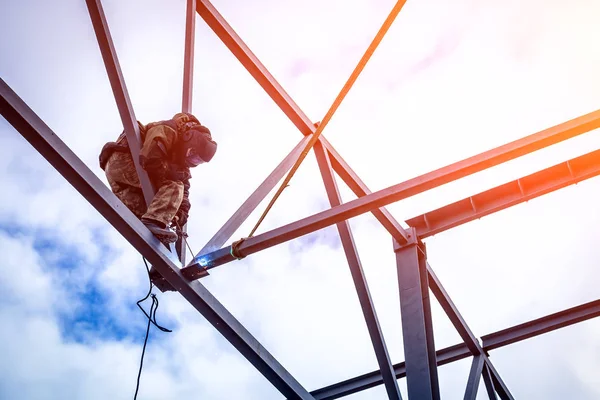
[(151, 320)]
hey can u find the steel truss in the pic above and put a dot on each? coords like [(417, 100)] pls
[(416, 278)]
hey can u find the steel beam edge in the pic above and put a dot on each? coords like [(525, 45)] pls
[(358, 276), (417, 325), (187, 90), (45, 141), (194, 269), (457, 352), (117, 83), (507, 195), (411, 187), (541, 325), (474, 377), (264, 78)]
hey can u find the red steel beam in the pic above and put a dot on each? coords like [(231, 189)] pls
[(373, 201), (518, 191)]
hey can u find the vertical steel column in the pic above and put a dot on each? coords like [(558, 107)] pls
[(474, 378), (188, 85), (117, 82), (188, 65), (417, 326), (360, 281)]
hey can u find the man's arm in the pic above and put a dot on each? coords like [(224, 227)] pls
[(155, 151)]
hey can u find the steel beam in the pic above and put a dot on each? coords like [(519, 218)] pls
[(457, 352), (489, 384), (45, 141), (358, 276), (264, 78), (188, 61), (360, 189), (409, 188), (188, 86), (373, 379), (417, 326), (499, 385), (542, 325), (518, 191), (240, 216), (463, 329), (452, 312), (117, 82), (474, 377)]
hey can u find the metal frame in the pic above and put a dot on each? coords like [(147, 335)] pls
[(416, 278)]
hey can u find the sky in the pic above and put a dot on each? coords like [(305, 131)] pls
[(451, 79)]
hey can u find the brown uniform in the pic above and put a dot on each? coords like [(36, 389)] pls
[(124, 182)]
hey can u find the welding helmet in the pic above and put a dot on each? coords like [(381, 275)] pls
[(196, 146)]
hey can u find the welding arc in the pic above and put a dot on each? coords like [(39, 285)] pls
[(340, 97)]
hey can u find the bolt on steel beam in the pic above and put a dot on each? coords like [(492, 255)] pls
[(417, 325), (47, 143), (409, 188), (359, 278)]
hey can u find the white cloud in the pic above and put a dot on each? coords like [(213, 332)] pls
[(449, 81)]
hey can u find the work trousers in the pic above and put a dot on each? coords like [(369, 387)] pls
[(125, 184)]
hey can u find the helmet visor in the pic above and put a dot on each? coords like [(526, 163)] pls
[(192, 158)]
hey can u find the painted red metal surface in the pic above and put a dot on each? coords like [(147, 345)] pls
[(512, 193)]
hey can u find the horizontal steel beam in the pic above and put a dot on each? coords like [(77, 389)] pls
[(409, 188), (457, 352), (542, 325), (45, 141), (373, 379), (510, 194)]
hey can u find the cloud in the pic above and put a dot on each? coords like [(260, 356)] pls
[(487, 74)]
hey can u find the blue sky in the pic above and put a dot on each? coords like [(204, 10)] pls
[(450, 80)]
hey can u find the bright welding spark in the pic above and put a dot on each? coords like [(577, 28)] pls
[(203, 262)]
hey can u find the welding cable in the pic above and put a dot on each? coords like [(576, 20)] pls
[(151, 320), (320, 126)]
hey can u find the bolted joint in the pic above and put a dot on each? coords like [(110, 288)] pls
[(413, 240)]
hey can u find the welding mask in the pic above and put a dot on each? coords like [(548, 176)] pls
[(196, 146)]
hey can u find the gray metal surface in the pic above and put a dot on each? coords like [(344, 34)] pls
[(358, 276)]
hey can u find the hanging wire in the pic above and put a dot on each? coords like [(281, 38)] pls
[(151, 320)]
